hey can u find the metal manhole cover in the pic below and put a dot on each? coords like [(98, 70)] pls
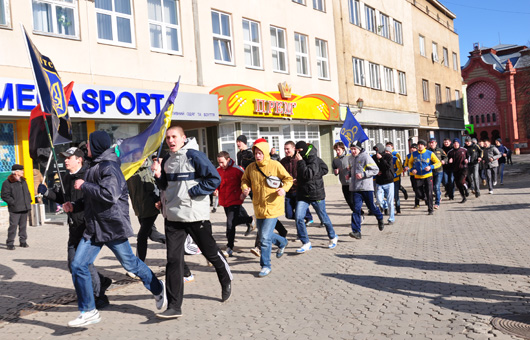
[(513, 324)]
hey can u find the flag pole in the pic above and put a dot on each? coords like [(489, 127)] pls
[(163, 139)]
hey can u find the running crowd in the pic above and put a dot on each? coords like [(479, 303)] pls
[(179, 185)]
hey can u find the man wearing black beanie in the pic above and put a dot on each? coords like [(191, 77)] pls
[(106, 206)]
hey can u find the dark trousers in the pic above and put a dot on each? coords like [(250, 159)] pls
[(415, 189), (201, 233), (347, 196), (290, 208), (20, 220), (491, 177), (235, 215), (357, 198), (146, 228), (474, 178), (460, 181), (397, 185), (424, 191)]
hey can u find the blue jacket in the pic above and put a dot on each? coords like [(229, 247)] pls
[(106, 200), (188, 178), (419, 160)]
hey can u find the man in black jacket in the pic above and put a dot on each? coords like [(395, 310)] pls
[(475, 157), (458, 159), (437, 174), (448, 176), (73, 161), (106, 208), (385, 182), (310, 190), (244, 155), (16, 194)]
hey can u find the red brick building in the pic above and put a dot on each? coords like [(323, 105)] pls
[(498, 91)]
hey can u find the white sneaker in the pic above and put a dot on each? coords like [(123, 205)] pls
[(161, 299), (495, 183), (306, 247), (190, 278), (85, 318), (132, 276), (333, 242), (491, 192)]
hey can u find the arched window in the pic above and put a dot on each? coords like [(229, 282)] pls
[(488, 118), (482, 119), (470, 119), (494, 117), (477, 119)]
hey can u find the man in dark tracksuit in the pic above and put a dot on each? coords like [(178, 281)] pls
[(458, 159), (437, 174), (76, 220), (448, 177), (475, 157), (16, 194)]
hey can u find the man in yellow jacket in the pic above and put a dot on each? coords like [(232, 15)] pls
[(268, 199)]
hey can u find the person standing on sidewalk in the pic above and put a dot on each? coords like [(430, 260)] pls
[(490, 160), (269, 181), (437, 174), (73, 161), (421, 163), (475, 157), (385, 182), (458, 158), (310, 191), (186, 178), (340, 166), (144, 198), (362, 171), (16, 194), (229, 193), (106, 211)]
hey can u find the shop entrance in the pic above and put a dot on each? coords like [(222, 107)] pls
[(273, 136)]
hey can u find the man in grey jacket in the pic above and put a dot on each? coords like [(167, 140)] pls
[(362, 171), (490, 159)]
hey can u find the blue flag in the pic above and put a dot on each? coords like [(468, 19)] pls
[(134, 150), (51, 92), (352, 131)]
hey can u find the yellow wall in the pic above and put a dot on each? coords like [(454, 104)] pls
[(23, 154)]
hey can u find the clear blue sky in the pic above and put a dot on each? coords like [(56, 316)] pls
[(488, 21)]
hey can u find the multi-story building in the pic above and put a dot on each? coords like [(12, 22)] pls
[(124, 57), (498, 87), (401, 59)]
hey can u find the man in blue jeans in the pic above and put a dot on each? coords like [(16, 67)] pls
[(310, 191), (106, 207), (362, 171), (437, 174)]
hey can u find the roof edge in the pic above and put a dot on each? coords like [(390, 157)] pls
[(441, 7)]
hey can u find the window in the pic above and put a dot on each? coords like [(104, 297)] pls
[(384, 27), (402, 82), (455, 62), (252, 41), (493, 117), (318, 5), (446, 57), (375, 80), (354, 8), (322, 58), (470, 119), (115, 21), (425, 87), (302, 2), (448, 96), (302, 54), (279, 50), (477, 119), (370, 18), (164, 25), (398, 32), (457, 99), (438, 92), (53, 16), (389, 79), (482, 119), (488, 118), (434, 51), (4, 13), (222, 38), (358, 72), (422, 45)]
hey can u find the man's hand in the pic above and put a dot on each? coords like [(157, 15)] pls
[(216, 192), (378, 155), (78, 183), (443, 162), (336, 171), (466, 161), (359, 176), (156, 168), (450, 160), (414, 171), (491, 159), (298, 157), (479, 159), (280, 192), (428, 168), (68, 207), (158, 205), (406, 168), (503, 155)]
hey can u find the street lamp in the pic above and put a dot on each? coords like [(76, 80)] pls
[(436, 114), (360, 104)]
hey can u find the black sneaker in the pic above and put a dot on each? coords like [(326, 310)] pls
[(24, 245), (431, 213), (386, 212), (355, 235), (105, 284), (404, 191), (464, 200), (477, 194), (226, 292), (467, 193), (169, 314), (102, 301), (381, 225), (11, 247), (398, 210)]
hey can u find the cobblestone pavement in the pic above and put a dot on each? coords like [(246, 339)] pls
[(426, 277)]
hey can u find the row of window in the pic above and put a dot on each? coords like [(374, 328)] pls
[(435, 57), (375, 21), (438, 93), (482, 118), (223, 51), (319, 5), (372, 78)]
